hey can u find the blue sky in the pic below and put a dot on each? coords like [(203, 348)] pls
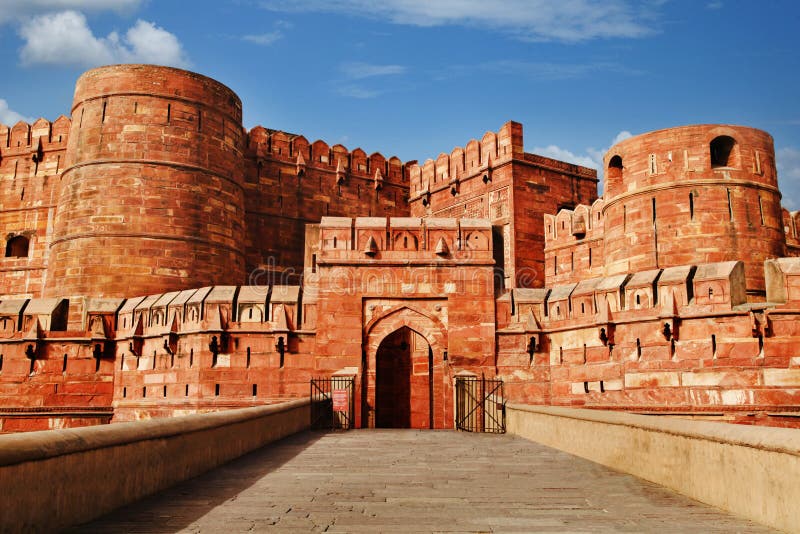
[(414, 78)]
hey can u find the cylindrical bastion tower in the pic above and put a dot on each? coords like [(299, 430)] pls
[(690, 195), (151, 197)]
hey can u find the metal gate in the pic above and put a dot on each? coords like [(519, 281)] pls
[(332, 403), (480, 404)]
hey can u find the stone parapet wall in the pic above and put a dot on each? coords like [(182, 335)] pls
[(679, 340), (751, 472), (98, 469)]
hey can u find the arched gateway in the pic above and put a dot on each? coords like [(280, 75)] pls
[(402, 320), (404, 380)]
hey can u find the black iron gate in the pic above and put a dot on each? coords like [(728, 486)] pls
[(333, 403), (480, 404)]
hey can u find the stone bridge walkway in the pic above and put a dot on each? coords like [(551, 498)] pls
[(415, 481)]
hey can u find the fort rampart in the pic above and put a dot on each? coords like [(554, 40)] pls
[(162, 260)]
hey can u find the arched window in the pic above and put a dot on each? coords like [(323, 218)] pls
[(615, 168), (613, 183), (17, 247), (723, 151)]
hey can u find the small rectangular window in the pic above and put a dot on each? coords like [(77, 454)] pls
[(730, 205), (624, 219), (653, 201)]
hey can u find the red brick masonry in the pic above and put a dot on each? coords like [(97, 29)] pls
[(665, 295)]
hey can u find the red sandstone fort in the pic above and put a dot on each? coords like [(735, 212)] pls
[(161, 260)]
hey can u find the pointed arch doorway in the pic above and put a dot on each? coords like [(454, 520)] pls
[(404, 381), (404, 376)]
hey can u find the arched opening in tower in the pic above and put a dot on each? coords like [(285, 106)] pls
[(404, 381), (723, 151), (614, 173)]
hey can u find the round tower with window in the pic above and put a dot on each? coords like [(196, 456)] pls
[(151, 198), (691, 195)]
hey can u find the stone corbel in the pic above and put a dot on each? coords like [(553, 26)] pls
[(426, 198), (486, 175), (454, 183), (38, 153), (605, 324), (669, 318)]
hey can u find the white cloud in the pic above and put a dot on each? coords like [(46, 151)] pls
[(532, 20), (270, 37), (355, 70), (147, 43), (714, 5), (593, 158), (354, 91), (65, 39), (12, 9), (541, 70), (624, 134), (358, 71), (788, 161), (562, 154), (9, 117), (263, 39)]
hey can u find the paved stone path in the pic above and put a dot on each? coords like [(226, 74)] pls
[(416, 481)]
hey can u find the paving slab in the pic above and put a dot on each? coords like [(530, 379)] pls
[(415, 481)]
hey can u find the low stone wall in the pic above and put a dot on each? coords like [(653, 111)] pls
[(750, 471), (53, 479)]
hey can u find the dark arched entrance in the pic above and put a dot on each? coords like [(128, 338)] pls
[(404, 381)]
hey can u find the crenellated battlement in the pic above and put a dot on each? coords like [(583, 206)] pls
[(294, 149), (573, 246), (42, 135), (477, 159), (791, 227), (571, 226), (35, 149)]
